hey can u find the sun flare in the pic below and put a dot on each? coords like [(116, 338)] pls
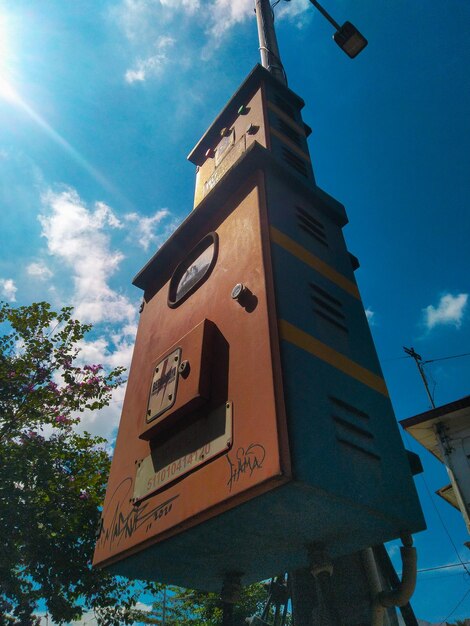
[(7, 92)]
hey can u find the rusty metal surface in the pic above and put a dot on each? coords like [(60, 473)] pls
[(173, 394), (174, 457), (242, 372), (226, 150)]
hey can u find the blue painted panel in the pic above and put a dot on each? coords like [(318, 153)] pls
[(260, 538), (294, 298), (344, 439)]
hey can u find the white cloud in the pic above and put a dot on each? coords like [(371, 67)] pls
[(152, 65), (144, 229), (141, 19), (299, 12), (199, 27), (370, 314), (449, 311), (77, 237), (39, 270), (113, 350), (79, 242), (224, 14), (8, 289)]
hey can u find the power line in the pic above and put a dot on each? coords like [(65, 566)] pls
[(437, 567), (455, 608), (463, 564), (445, 358)]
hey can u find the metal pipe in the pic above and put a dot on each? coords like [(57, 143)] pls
[(402, 594), (269, 49), (325, 13), (375, 586)]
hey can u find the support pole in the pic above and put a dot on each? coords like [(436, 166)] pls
[(230, 595), (304, 596), (269, 50), (417, 358)]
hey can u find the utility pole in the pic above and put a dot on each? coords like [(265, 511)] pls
[(418, 360)]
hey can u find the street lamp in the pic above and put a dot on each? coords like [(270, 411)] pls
[(348, 38)]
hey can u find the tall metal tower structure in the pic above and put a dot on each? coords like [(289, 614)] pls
[(257, 433)]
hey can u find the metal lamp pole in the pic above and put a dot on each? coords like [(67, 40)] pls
[(305, 590), (269, 50)]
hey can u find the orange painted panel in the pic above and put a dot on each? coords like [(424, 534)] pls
[(180, 380), (239, 364)]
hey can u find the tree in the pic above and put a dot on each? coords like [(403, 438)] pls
[(52, 483), (52, 477)]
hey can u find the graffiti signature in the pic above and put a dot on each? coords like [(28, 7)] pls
[(246, 462), (122, 526)]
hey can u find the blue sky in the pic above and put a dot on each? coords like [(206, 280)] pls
[(101, 101)]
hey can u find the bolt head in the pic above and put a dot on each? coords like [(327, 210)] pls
[(238, 291), (183, 367)]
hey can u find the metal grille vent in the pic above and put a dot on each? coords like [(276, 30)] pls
[(295, 162), (353, 428), (311, 225), (328, 307), (289, 132), (285, 107)]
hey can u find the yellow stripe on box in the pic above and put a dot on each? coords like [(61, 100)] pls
[(306, 342), (310, 259), (285, 118), (292, 146)]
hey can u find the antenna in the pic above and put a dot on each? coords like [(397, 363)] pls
[(269, 50)]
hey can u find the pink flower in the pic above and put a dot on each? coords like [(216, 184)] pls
[(94, 369), (61, 419), (84, 495)]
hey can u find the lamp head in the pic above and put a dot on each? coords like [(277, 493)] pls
[(350, 40)]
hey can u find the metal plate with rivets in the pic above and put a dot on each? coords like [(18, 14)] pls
[(204, 440), (164, 385)]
